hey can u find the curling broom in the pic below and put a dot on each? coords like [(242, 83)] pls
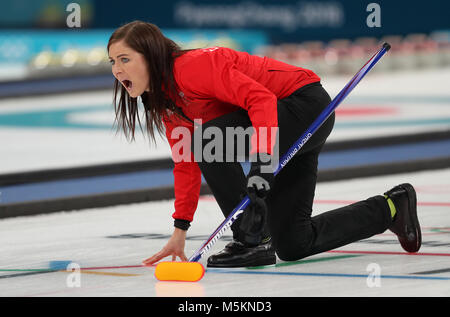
[(192, 270)]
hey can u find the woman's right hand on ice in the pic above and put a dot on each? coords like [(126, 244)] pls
[(174, 247)]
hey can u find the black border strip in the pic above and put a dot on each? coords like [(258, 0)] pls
[(55, 85), (86, 171), (162, 193), (166, 163), (380, 141), (90, 201), (383, 169)]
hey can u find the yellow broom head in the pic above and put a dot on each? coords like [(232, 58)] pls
[(179, 271)]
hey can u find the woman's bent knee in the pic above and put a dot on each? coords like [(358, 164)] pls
[(292, 251)]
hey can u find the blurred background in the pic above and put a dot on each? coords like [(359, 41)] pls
[(59, 150), (42, 38)]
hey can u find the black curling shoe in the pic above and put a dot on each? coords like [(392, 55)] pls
[(236, 254), (405, 224)]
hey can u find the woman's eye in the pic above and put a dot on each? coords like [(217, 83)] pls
[(125, 60), (111, 62)]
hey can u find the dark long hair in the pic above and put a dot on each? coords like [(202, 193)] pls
[(159, 53)]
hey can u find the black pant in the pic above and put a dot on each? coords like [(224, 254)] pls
[(294, 232)]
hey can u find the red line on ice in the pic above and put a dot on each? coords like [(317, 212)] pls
[(387, 252)]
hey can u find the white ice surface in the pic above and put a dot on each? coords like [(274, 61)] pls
[(97, 238)]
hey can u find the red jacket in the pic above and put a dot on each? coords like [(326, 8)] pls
[(217, 81)]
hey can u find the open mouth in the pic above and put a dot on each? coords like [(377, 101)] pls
[(127, 84)]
